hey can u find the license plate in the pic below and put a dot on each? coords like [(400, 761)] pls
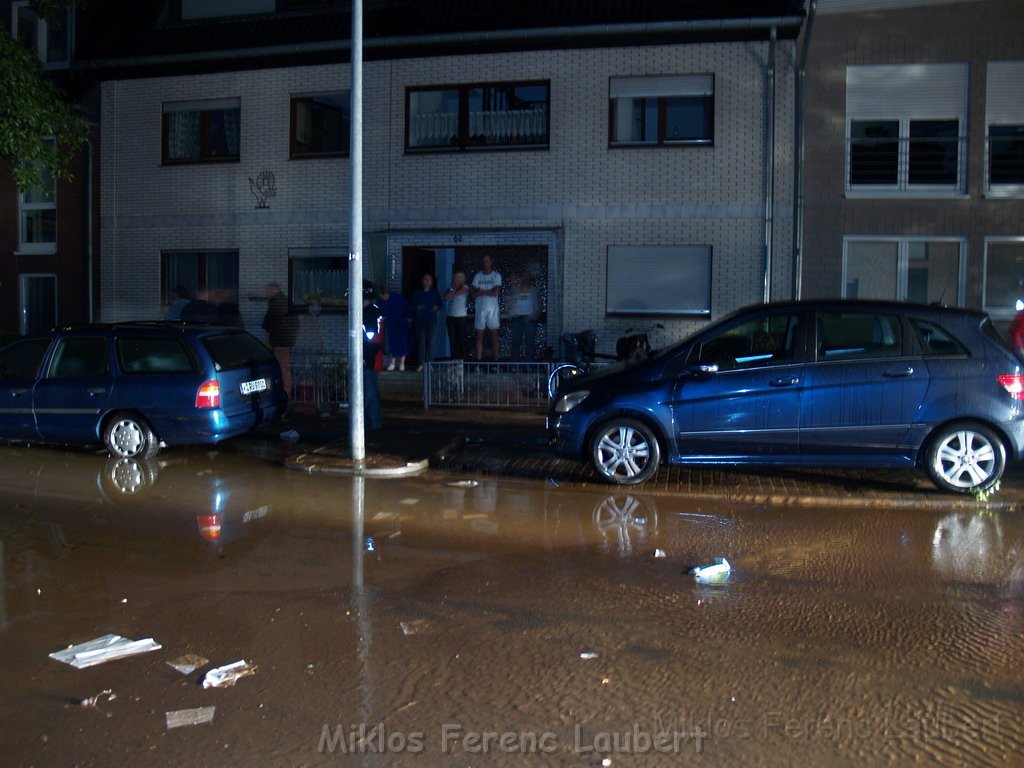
[(256, 385)]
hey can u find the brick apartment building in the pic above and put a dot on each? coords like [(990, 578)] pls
[(635, 157), (915, 152), (49, 238)]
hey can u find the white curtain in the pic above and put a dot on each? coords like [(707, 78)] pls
[(183, 135)]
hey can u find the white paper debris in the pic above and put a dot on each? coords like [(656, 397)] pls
[(182, 717), (716, 571), (414, 626), (228, 675), (103, 649), (588, 655), (659, 553), (188, 663)]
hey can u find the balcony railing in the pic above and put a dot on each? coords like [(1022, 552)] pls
[(928, 165)]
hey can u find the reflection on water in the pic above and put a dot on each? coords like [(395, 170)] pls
[(973, 547)]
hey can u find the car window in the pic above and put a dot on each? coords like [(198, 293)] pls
[(858, 335), (79, 358), (237, 350), (768, 340), (935, 341), (153, 355), (21, 360)]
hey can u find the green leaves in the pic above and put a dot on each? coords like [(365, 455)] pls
[(32, 112)]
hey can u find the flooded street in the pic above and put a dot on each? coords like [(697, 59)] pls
[(446, 620)]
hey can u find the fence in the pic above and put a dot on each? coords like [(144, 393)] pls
[(486, 385), (319, 379)]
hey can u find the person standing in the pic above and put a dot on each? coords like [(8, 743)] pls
[(525, 311), (396, 313), (486, 287), (374, 326), (457, 321), (426, 304), (282, 332), (179, 300)]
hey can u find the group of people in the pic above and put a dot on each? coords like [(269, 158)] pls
[(427, 306)]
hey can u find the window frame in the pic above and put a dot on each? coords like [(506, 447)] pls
[(204, 132), (463, 143), (42, 34), (37, 248), (903, 262), (997, 312), (903, 186), (201, 270), (345, 149), (662, 109), (866, 353), (1001, 188)]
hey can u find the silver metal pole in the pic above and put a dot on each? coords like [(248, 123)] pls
[(355, 256), (769, 173)]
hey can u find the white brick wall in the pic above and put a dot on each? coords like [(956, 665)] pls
[(579, 196)]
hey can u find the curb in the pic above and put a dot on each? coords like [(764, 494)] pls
[(335, 466)]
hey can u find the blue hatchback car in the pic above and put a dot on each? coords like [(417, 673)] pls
[(137, 386), (830, 383)]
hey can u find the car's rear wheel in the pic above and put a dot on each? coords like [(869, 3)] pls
[(129, 436), (966, 457), (625, 451)]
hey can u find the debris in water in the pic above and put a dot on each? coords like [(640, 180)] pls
[(103, 649), (182, 717), (228, 675), (715, 572), (464, 484), (553, 482), (370, 545), (659, 553), (93, 702), (188, 663), (588, 655), (414, 626)]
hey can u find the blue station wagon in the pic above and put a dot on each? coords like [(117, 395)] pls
[(839, 383), (137, 386)]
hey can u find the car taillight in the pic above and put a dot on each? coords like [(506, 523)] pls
[(1014, 384), (209, 527), (208, 395)]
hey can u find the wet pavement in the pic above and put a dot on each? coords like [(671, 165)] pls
[(450, 619)]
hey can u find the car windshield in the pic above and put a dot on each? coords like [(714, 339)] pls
[(231, 351)]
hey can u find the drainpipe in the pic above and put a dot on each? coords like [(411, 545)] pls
[(769, 181), (88, 223), (798, 166)]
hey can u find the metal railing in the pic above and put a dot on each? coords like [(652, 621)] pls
[(320, 379), (486, 385), (884, 164)]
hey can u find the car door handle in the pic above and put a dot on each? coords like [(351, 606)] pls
[(899, 373), (18, 392), (96, 391), (787, 382)]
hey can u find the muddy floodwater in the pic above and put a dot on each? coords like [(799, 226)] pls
[(446, 620)]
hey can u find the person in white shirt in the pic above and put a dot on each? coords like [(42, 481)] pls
[(486, 287), (457, 321)]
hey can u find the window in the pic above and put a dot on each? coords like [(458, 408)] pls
[(201, 131), (49, 40), (79, 358), (320, 125), (1004, 122), (669, 110), (904, 129), (215, 272), (936, 341), (37, 207), (231, 351), (151, 355), (1004, 276), (21, 360), (317, 276), (768, 340), (918, 270), (211, 9), (658, 280), (484, 116), (857, 336)]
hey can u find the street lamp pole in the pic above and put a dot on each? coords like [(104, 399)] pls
[(355, 256)]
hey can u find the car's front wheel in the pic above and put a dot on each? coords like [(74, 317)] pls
[(625, 451), (129, 436), (965, 458)]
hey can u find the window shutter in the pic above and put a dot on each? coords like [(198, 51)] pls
[(1004, 96), (676, 85), (907, 91)]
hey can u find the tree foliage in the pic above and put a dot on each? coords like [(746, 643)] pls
[(33, 112)]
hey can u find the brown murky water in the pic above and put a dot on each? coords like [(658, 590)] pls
[(539, 627)]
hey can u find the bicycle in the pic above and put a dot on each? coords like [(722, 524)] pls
[(581, 355)]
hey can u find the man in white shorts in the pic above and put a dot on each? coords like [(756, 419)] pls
[(486, 287)]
